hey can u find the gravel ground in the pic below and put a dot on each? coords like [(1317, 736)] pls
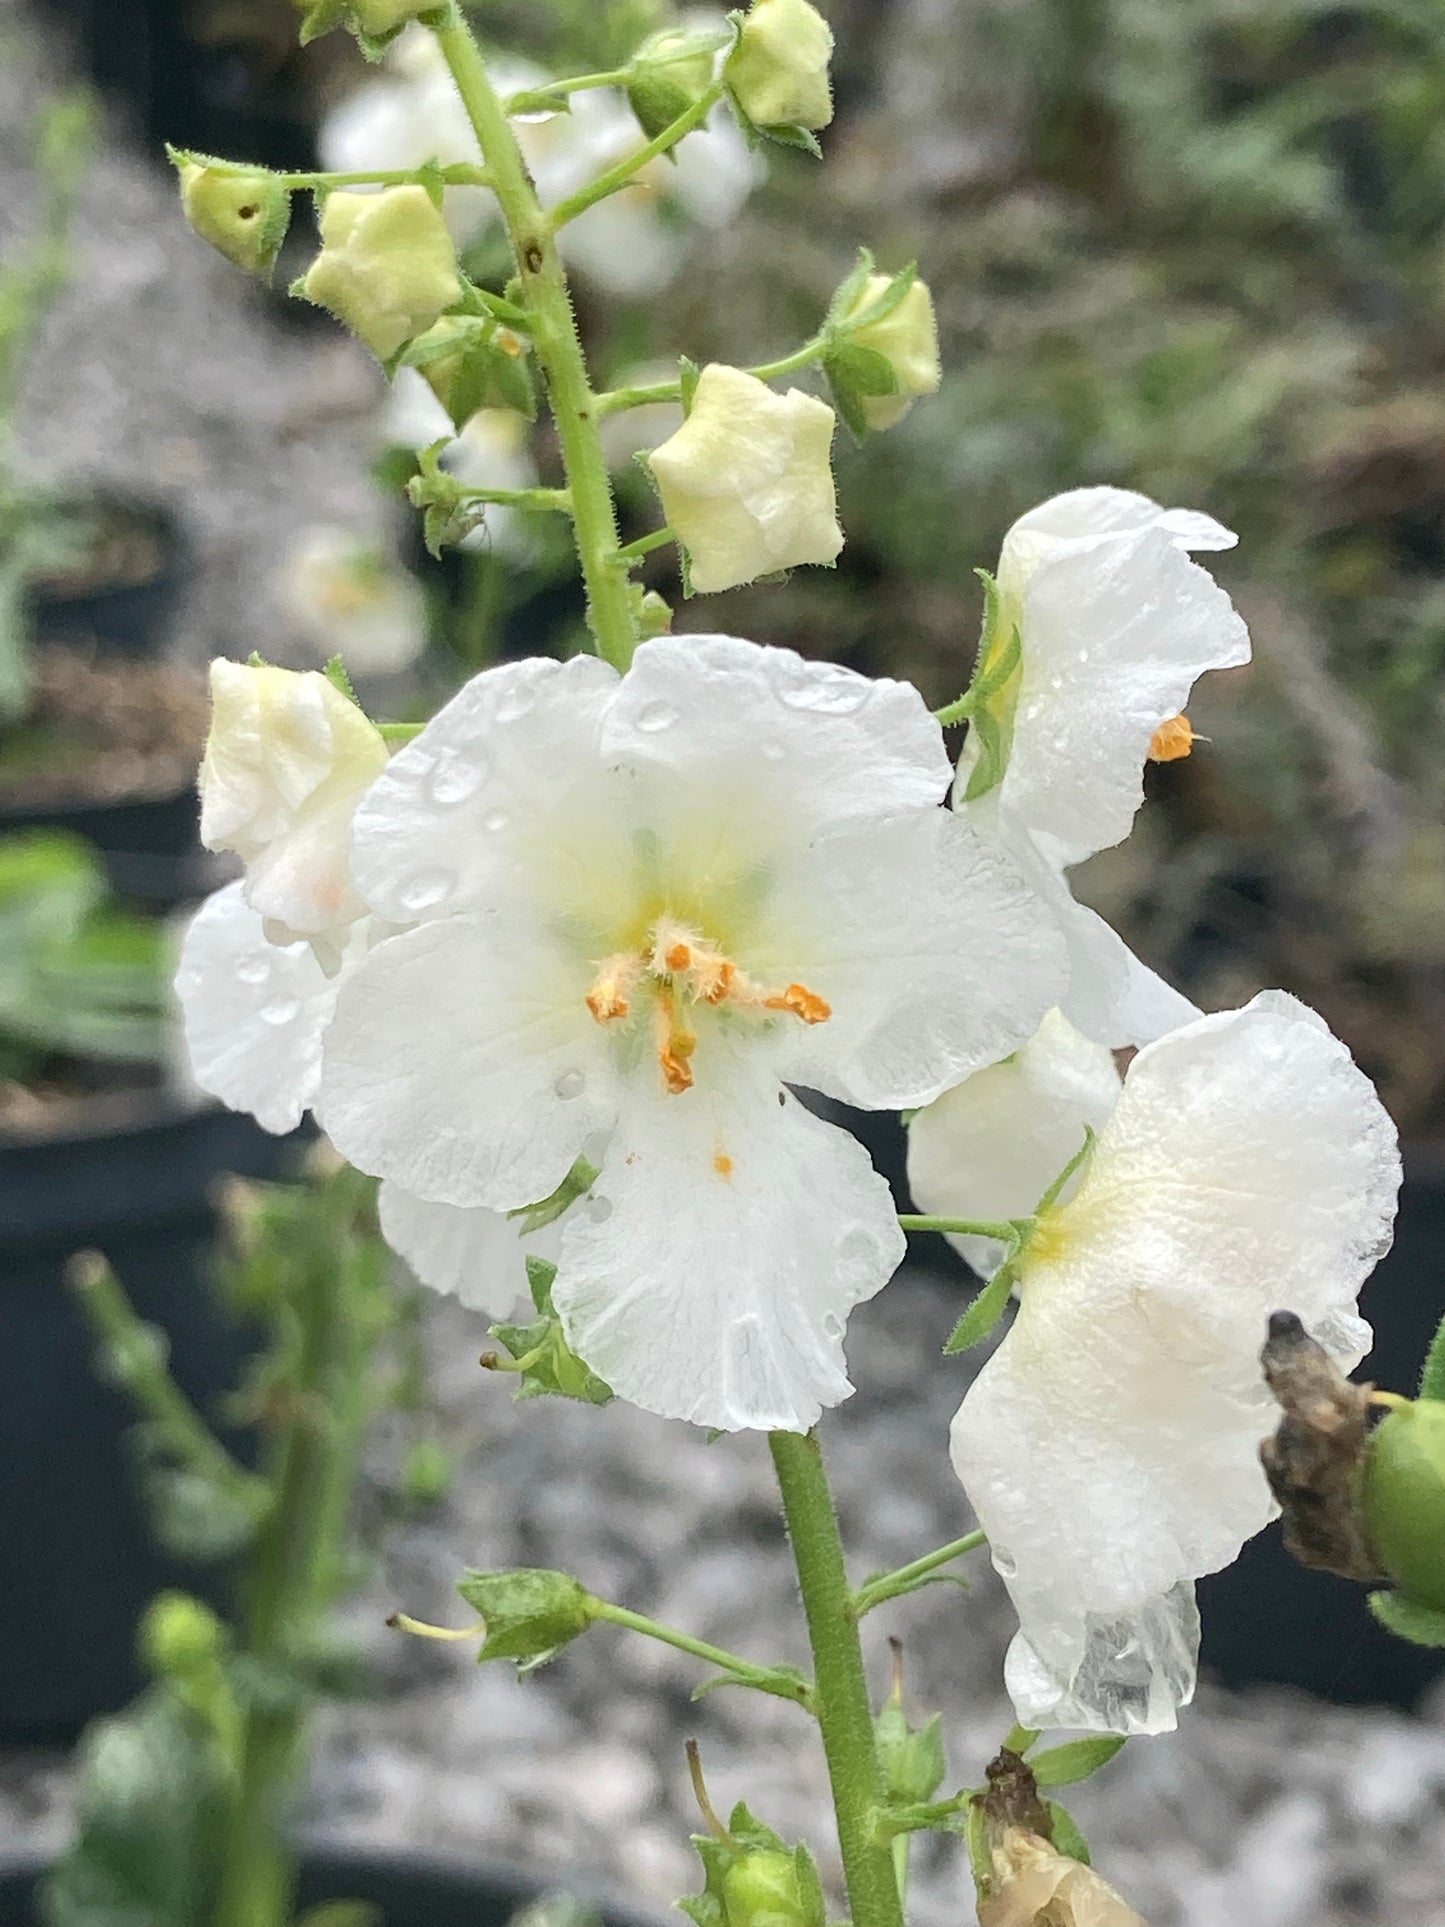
[(162, 373)]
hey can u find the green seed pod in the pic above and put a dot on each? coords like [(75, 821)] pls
[(761, 1890), (1403, 1494), (243, 216)]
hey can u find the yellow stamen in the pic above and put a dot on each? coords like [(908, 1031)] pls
[(675, 1045), (1173, 739), (802, 1002), (610, 993)]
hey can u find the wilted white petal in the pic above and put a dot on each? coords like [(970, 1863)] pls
[(474, 1255), (1109, 1446), (991, 1147)]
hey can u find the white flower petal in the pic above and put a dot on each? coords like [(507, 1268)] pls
[(1115, 633), (463, 1064), (1109, 1446), (991, 1147), (830, 746), (935, 958), (254, 1012), (474, 1255), (1082, 513), (729, 1235), (450, 818)]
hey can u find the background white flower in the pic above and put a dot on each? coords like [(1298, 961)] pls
[(1115, 623), (491, 450), (642, 906), (1110, 1445), (344, 599), (991, 1147)]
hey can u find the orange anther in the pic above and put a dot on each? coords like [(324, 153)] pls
[(607, 1004), (673, 1055), (1172, 739), (802, 1002), (716, 988), (679, 957), (608, 998)]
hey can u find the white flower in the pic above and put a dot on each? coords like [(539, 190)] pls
[(990, 1148), (747, 481), (644, 906), (491, 450), (345, 600), (286, 760), (474, 1255), (1110, 1445), (1114, 623)]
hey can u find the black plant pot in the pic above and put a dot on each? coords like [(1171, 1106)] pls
[(1269, 1621), (79, 1559), (408, 1890), (148, 845)]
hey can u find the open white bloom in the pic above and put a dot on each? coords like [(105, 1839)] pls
[(643, 907), (991, 1147), (491, 450), (287, 757), (1114, 623), (747, 481), (345, 599), (477, 1256), (1110, 1444)]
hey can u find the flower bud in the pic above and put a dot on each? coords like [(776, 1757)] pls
[(528, 1613), (906, 336), (746, 482), (752, 1877), (670, 72), (761, 1890), (179, 1635), (286, 762), (243, 216), (385, 16), (778, 71), (1403, 1495), (471, 362), (387, 266)]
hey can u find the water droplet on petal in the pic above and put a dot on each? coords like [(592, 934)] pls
[(822, 688), (280, 1012), (654, 717), (832, 1325), (515, 702), (254, 969), (425, 891), (1004, 1563), (570, 1084), (599, 1210), (455, 778), (495, 820)]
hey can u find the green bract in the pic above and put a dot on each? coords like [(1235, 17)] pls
[(1403, 1493), (471, 362), (528, 1612)]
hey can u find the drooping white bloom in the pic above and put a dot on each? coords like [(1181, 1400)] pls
[(1110, 1445), (747, 480), (287, 757), (779, 69), (1114, 623), (491, 450), (1034, 1885), (631, 244), (643, 907), (345, 599), (991, 1147)]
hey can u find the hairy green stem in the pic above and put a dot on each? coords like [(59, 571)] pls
[(745, 1672), (1006, 1232), (623, 171), (840, 1685), (616, 399), (557, 344), (893, 1585)]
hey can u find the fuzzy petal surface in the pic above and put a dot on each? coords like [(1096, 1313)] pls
[(711, 1274), (1109, 1446)]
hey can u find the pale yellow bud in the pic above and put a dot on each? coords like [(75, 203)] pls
[(287, 760), (1035, 1885), (243, 216), (387, 266), (908, 339), (779, 69), (746, 482)]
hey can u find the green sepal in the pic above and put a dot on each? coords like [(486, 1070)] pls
[(985, 1311), (1432, 1377), (577, 1183), (341, 1913), (1408, 1619), (1075, 1760), (541, 1276), (321, 17), (529, 1613), (467, 364), (688, 376), (883, 303), (757, 136), (752, 1878), (975, 1835), (1067, 1835), (849, 289), (855, 375), (911, 1759), (1080, 1158), (447, 515), (334, 671), (553, 1368)]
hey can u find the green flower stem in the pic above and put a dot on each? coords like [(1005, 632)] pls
[(896, 1823), (454, 174), (616, 399), (893, 1585), (558, 347), (623, 171), (558, 500), (296, 1570), (534, 100), (136, 1359), (399, 733), (955, 712), (1007, 1233), (767, 1679), (645, 544), (841, 1687)]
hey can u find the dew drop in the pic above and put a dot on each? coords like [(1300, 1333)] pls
[(495, 820), (824, 690), (514, 702), (427, 890), (599, 1210), (654, 717), (832, 1325), (1004, 1563), (570, 1084), (281, 1011), (254, 969), (455, 778)]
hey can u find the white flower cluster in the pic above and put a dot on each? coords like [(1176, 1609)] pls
[(625, 918)]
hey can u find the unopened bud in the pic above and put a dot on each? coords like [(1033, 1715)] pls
[(1403, 1495), (778, 71), (761, 1890), (671, 71), (243, 216), (387, 266), (179, 1635), (906, 336)]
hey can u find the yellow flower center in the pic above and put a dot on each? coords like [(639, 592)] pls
[(677, 970)]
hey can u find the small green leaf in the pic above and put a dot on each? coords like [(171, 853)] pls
[(577, 1183), (1421, 1625), (541, 1276), (341, 1913), (1067, 1836), (1075, 1760), (335, 674), (689, 375), (984, 1313), (849, 290), (1432, 1378)]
